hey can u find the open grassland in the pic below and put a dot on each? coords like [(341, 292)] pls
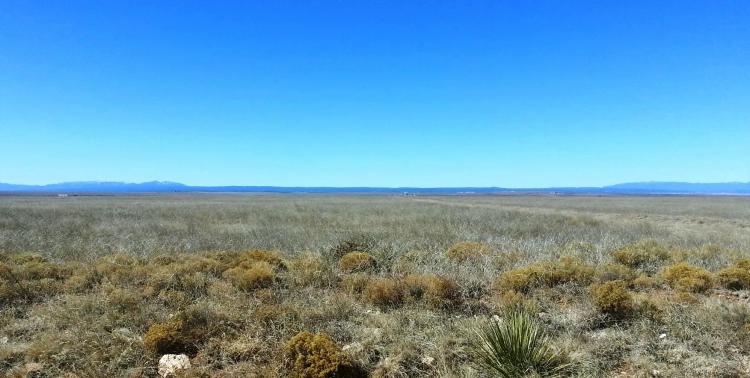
[(390, 286)]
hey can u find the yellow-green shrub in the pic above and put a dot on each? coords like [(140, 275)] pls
[(646, 282), (566, 270), (271, 257), (689, 278), (310, 355), (123, 299), (384, 292), (122, 269), (309, 269), (355, 283), (735, 277), (256, 276), (467, 250), (438, 292), (644, 255), (183, 333), (357, 262), (612, 298)]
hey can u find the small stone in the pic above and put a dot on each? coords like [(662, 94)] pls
[(655, 373), (170, 363), (32, 367), (662, 336), (427, 360), (353, 348)]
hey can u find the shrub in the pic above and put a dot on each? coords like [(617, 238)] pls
[(195, 264), (121, 269), (167, 337), (353, 244), (184, 333), (566, 270), (123, 299), (736, 277), (271, 257), (355, 283), (688, 278), (317, 356), (645, 255), (613, 299), (438, 292), (357, 262), (258, 275), (310, 270), (645, 282), (515, 347), (384, 292), (464, 251)]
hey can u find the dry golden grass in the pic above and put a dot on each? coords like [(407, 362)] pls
[(104, 286)]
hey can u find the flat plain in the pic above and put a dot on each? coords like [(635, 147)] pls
[(394, 286)]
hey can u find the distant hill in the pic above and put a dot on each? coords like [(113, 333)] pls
[(683, 187), (641, 188)]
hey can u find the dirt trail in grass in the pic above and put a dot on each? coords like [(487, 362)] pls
[(737, 228)]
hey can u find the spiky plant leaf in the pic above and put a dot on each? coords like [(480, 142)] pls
[(516, 346)]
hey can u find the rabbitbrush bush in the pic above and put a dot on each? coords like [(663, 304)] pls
[(688, 278), (646, 255), (438, 292), (309, 355), (516, 346), (735, 277), (256, 276), (613, 299), (357, 262), (567, 269), (464, 251), (384, 292)]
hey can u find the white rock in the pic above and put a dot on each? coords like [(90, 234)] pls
[(170, 363), (427, 360), (663, 335), (353, 348), (33, 367)]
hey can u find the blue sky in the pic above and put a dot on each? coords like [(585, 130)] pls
[(349, 93)]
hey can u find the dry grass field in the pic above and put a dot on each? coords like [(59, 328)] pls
[(386, 286)]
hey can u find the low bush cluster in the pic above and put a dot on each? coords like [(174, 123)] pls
[(735, 277), (438, 292), (466, 251), (353, 262), (547, 274), (309, 355), (253, 276), (645, 255), (613, 299), (183, 333), (384, 292), (688, 278)]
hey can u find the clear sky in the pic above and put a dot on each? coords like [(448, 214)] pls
[(376, 93)]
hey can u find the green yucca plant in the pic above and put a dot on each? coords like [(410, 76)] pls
[(516, 346)]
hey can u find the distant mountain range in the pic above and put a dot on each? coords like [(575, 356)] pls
[(640, 188)]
